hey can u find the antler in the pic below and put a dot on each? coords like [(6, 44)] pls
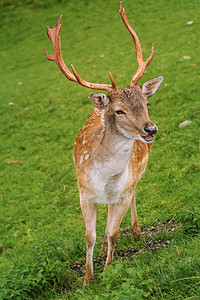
[(142, 65), (54, 36)]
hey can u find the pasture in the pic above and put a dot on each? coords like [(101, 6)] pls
[(42, 241)]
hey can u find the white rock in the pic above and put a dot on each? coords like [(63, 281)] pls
[(184, 123), (186, 57), (190, 22)]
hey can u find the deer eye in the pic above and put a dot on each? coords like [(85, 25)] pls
[(120, 112)]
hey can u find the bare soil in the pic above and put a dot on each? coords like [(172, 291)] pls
[(167, 226)]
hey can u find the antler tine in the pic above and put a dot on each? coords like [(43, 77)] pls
[(141, 64), (95, 86), (112, 81), (54, 36)]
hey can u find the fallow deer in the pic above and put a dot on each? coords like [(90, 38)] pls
[(112, 149)]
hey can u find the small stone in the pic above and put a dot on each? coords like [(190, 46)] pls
[(186, 57), (11, 103), (187, 122), (190, 23), (102, 55), (20, 83)]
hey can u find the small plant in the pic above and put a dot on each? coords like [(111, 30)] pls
[(122, 282), (191, 221), (45, 265)]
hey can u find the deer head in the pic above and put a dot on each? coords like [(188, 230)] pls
[(125, 108)]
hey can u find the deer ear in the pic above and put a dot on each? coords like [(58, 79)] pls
[(151, 86), (100, 100)]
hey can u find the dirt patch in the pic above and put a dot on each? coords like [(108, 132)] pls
[(150, 245), (77, 267), (149, 231), (167, 226)]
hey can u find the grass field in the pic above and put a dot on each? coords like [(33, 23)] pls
[(42, 242)]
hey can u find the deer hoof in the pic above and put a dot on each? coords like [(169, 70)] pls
[(104, 246), (137, 232), (137, 235)]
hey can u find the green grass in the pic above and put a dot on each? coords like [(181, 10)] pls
[(42, 229)]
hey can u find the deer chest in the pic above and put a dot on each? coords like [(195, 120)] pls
[(110, 183)]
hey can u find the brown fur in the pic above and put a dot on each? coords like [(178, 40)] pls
[(96, 143)]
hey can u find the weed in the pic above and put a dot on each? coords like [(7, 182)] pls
[(191, 221)]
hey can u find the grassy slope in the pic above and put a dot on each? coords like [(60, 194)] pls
[(42, 227)]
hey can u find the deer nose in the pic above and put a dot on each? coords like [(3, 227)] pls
[(151, 130)]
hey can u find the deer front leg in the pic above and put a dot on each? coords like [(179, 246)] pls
[(135, 224), (116, 215), (89, 214), (104, 246)]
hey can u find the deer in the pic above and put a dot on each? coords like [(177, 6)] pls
[(111, 150)]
